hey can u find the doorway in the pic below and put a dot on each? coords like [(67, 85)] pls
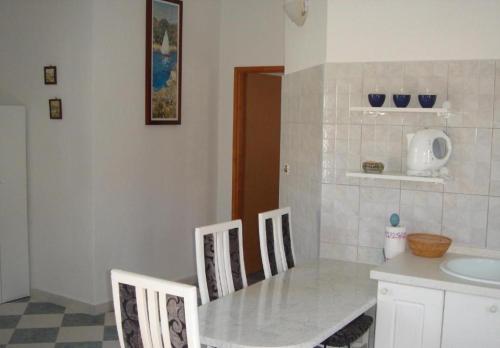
[(256, 152)]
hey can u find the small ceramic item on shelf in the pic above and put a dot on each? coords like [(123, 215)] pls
[(373, 167), (401, 100), (395, 238), (376, 100), (427, 100)]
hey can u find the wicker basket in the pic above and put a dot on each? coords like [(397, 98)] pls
[(428, 245)]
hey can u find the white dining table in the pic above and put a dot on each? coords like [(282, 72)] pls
[(298, 308)]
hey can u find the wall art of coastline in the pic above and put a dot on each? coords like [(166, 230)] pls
[(163, 62)]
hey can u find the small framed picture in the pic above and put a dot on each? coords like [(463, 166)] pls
[(50, 75), (55, 107)]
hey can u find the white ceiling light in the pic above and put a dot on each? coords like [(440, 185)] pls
[(297, 10)]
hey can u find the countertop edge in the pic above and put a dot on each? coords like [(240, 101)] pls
[(464, 287)]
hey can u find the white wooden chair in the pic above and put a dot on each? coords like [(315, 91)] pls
[(154, 313), (219, 260), (276, 241)]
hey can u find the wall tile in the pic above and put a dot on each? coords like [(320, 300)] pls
[(384, 78), (340, 214), (304, 198), (383, 144), (493, 241), (376, 206), (349, 83), (471, 93), (465, 219), (496, 122), (495, 164), (426, 78), (470, 161), (373, 256), (338, 252), (421, 211), (347, 153)]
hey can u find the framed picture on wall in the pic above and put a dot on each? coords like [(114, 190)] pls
[(163, 61), (50, 75), (55, 109)]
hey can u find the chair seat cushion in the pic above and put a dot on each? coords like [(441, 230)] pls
[(350, 333)]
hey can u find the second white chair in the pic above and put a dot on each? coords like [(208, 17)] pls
[(219, 260), (276, 243)]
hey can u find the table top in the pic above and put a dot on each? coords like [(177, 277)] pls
[(298, 308)]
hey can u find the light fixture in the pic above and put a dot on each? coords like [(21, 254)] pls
[(297, 10)]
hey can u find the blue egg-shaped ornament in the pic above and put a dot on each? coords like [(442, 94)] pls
[(394, 220)]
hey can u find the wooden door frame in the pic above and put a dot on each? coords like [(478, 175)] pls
[(239, 107)]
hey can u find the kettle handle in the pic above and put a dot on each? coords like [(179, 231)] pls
[(449, 147)]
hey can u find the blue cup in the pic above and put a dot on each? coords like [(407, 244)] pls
[(401, 100), (427, 100), (376, 100)]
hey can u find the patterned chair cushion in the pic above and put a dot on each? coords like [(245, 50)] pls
[(350, 333), (210, 274), (130, 319)]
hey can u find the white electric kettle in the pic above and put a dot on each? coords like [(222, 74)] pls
[(428, 152)]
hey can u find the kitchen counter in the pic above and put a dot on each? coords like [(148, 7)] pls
[(408, 269)]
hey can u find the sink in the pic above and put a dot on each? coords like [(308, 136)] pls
[(475, 269)]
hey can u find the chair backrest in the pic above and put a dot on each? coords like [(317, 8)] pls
[(276, 242), (154, 313), (219, 260)]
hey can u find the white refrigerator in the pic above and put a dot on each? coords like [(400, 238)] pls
[(14, 254)]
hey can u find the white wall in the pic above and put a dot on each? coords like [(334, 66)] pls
[(395, 30), (305, 46), (251, 34), (153, 184), (59, 151), (105, 190)]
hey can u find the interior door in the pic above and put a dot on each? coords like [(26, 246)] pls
[(261, 159)]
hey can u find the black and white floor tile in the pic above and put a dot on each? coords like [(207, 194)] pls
[(27, 324)]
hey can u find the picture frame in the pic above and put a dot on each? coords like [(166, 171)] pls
[(163, 62), (55, 109), (50, 75)]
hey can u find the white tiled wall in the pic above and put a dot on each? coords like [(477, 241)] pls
[(353, 212), (301, 149)]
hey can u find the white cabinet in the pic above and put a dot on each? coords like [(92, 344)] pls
[(408, 317), (14, 259), (471, 321)]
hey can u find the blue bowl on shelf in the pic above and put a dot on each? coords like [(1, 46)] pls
[(427, 100), (376, 100), (401, 100)]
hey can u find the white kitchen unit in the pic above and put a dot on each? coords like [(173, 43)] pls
[(14, 259), (420, 306), (410, 317), (476, 319)]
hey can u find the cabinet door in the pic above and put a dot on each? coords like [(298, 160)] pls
[(408, 317), (471, 321)]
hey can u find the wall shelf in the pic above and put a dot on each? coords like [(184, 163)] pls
[(395, 176), (382, 110)]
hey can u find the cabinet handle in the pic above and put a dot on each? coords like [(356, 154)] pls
[(384, 291), (493, 309)]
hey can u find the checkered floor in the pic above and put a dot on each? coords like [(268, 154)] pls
[(27, 324)]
